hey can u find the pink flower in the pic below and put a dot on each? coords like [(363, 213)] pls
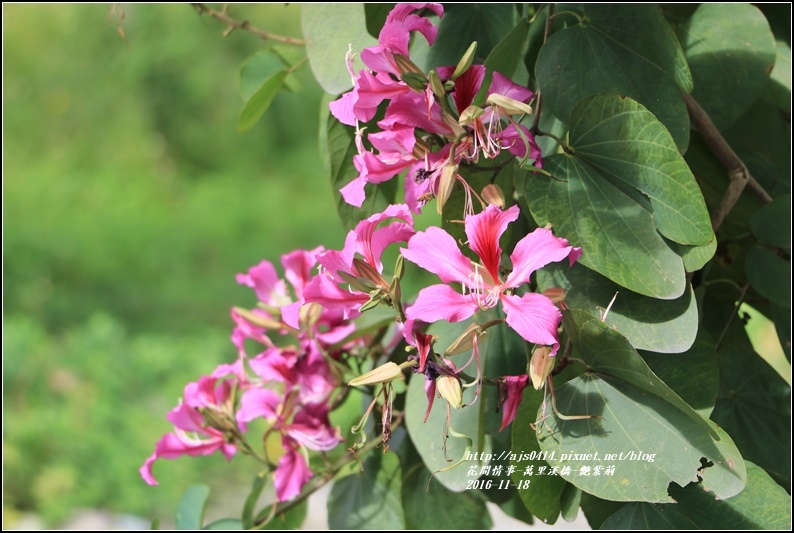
[(532, 315), (201, 424), (512, 387), (309, 427), (360, 258)]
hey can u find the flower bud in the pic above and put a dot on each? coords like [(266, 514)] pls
[(445, 184), (366, 271), (493, 194), (449, 388), (405, 66), (509, 105), (417, 82), (465, 342), (257, 320), (540, 366), (388, 371), (465, 61), (436, 85), (555, 294)]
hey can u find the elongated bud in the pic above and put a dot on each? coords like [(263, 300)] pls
[(436, 85), (465, 61), (445, 184), (366, 271), (274, 449), (375, 298), (450, 389), (395, 292), (508, 105), (399, 267), (405, 66), (540, 366), (357, 283), (257, 320), (386, 372), (470, 114), (494, 195), (456, 128), (310, 313), (417, 82), (465, 342)]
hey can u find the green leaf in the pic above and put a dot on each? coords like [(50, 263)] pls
[(506, 56), (730, 50), (251, 500), (692, 375), (695, 257), (666, 326), (625, 143), (428, 437), (569, 502), (257, 70), (370, 499), (541, 494), (769, 274), (464, 23), (761, 505), (607, 352), (617, 235), (376, 15), (762, 140), (233, 524), (770, 224), (647, 440), (625, 48), (260, 102), (754, 402), (433, 506), (190, 511), (292, 519), (329, 29), (597, 510), (341, 149), (778, 89)]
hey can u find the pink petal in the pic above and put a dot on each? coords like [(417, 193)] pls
[(484, 231), (535, 251), (435, 250), (265, 282), (146, 470), (430, 391), (342, 108), (515, 391), (410, 110), (327, 293), (512, 141), (274, 364), (257, 403), (441, 302), (502, 85), (186, 418), (353, 193), (291, 474), (298, 267), (534, 317), (372, 239)]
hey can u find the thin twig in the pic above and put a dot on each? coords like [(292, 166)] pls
[(244, 25), (733, 315), (737, 171), (546, 33)]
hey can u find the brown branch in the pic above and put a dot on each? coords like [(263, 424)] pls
[(738, 174), (244, 25)]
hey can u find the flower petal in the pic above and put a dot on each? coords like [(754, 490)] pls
[(535, 251), (484, 231), (291, 474), (514, 386), (441, 302), (435, 250), (534, 317)]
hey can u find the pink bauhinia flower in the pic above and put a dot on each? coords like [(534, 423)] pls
[(533, 316), (299, 426), (360, 260), (203, 423)]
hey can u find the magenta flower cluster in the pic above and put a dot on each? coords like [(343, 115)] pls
[(303, 324)]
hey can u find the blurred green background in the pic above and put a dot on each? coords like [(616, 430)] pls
[(130, 203)]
